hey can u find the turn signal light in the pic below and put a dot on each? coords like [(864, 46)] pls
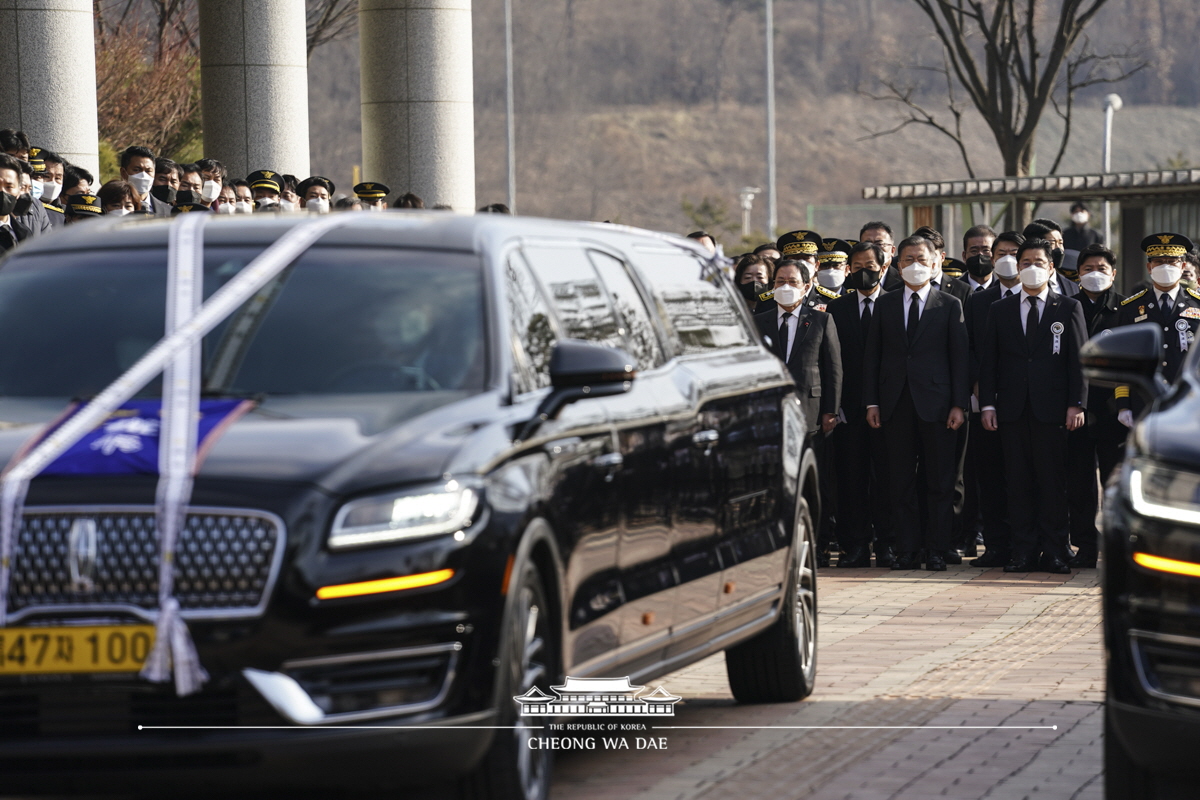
[(384, 585), (1161, 564)]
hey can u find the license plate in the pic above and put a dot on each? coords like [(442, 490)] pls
[(84, 648)]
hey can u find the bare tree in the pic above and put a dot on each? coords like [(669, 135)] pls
[(1013, 60), (329, 20)]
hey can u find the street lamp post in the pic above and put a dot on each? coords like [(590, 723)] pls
[(1112, 104), (746, 195), (508, 107), (772, 204)]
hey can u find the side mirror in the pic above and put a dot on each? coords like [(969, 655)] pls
[(580, 369), (1128, 355)]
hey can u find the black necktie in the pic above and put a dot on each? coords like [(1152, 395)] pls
[(979, 288), (866, 316), (783, 335), (914, 314), (1031, 322), (1164, 306)]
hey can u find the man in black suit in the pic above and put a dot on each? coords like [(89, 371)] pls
[(880, 233), (806, 340), (1099, 443), (1032, 390), (915, 387), (1064, 276), (862, 505)]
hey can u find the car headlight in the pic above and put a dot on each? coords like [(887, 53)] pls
[(1162, 493), (399, 516)]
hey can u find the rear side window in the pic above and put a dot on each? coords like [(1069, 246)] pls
[(533, 334), (641, 339), (697, 303), (580, 301)]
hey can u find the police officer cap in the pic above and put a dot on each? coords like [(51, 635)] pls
[(1160, 245), (371, 191), (264, 179), (953, 268), (84, 205), (833, 251), (315, 180), (184, 208), (36, 161), (798, 244)]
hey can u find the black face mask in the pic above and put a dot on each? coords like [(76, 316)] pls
[(24, 204), (1056, 255), (979, 268), (754, 291), (164, 193), (8, 202), (865, 279)]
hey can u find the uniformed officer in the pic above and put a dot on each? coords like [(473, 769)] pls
[(265, 187), (833, 265), (81, 207), (315, 194), (372, 195), (804, 246), (1175, 308)]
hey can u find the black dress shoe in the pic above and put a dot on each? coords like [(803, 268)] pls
[(991, 559), (855, 558), (1021, 565), (952, 557), (936, 562), (1053, 565), (884, 557), (906, 561), (823, 559), (1082, 560)]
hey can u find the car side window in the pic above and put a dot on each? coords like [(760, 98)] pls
[(580, 302), (641, 340), (533, 336), (694, 300)]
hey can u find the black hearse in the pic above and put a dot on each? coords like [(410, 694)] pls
[(481, 454), (1151, 575)]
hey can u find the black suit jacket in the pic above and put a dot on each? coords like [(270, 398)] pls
[(1100, 316), (1010, 373), (853, 341), (815, 361), (935, 368), (891, 279), (1065, 286), (955, 286)]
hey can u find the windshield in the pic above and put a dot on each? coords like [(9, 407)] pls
[(340, 321)]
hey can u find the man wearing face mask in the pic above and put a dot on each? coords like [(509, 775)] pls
[(29, 217), (1065, 268), (804, 246), (1032, 391), (915, 387), (862, 507), (212, 176), (880, 233), (1099, 444), (1166, 303), (753, 278), (942, 281), (977, 241), (806, 341), (166, 183), (1080, 235), (51, 178), (315, 193), (10, 189), (833, 266), (138, 169), (265, 188), (372, 195)]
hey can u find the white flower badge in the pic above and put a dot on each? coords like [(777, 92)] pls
[(125, 435)]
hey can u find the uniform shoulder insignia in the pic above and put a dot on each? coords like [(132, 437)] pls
[(1193, 293), (828, 293), (1133, 297), (51, 207)]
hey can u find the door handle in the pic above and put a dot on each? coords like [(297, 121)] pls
[(705, 438), (611, 462)]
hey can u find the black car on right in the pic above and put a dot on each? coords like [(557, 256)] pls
[(1151, 574)]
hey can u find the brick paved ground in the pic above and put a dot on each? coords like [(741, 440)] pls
[(957, 648)]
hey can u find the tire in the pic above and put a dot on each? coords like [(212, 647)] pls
[(510, 770), (1123, 778), (779, 665)]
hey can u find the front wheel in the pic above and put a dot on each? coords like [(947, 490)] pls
[(511, 769), (779, 665)]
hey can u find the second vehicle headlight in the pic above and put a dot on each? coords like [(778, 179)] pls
[(398, 516), (1162, 493)]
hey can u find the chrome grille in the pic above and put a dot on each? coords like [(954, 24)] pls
[(226, 563)]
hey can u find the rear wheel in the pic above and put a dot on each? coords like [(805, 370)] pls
[(512, 770), (779, 665)]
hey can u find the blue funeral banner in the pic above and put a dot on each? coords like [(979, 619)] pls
[(127, 442)]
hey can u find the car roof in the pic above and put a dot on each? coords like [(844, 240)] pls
[(441, 230)]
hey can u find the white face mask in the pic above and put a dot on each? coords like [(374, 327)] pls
[(287, 205), (1096, 281), (225, 208), (1166, 274), (117, 212), (1034, 277), (318, 205), (35, 189), (831, 278), (1079, 217), (267, 203), (211, 191), (50, 191), (787, 295), (1006, 267), (916, 274), (242, 207), (141, 182)]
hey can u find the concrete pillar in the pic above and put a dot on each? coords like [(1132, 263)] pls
[(418, 115), (48, 64), (254, 85)]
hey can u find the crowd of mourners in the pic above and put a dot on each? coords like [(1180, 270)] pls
[(40, 190), (946, 396)]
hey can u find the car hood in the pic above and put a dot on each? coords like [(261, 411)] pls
[(341, 443)]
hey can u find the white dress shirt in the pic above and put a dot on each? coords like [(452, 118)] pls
[(873, 296), (791, 327), (976, 285), (922, 293), (1042, 297)]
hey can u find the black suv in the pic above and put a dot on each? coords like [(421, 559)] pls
[(483, 454), (1151, 575)]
